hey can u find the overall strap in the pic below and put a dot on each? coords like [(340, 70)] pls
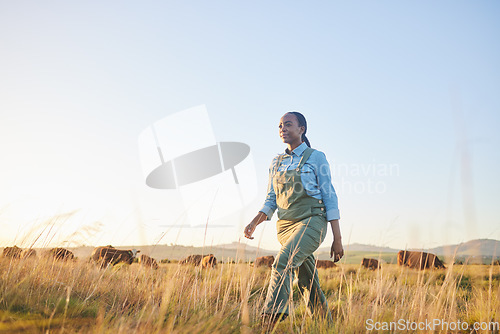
[(307, 153), (278, 163)]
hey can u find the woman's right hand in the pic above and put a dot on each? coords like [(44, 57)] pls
[(250, 229), (261, 216)]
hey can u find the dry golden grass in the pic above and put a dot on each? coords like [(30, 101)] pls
[(43, 296)]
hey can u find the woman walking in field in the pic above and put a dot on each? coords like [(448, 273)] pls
[(300, 188)]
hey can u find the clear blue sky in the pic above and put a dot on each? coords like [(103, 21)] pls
[(412, 85)]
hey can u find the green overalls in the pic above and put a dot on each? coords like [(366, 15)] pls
[(302, 227)]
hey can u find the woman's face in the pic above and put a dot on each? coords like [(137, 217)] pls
[(289, 129)]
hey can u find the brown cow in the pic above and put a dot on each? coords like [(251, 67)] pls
[(28, 253), (266, 261), (110, 255), (208, 261), (192, 259), (147, 261), (370, 263), (12, 252), (325, 264), (61, 254), (419, 260)]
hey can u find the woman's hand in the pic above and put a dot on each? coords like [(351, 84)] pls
[(337, 249), (250, 228)]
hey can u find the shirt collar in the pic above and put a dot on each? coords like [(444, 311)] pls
[(298, 150)]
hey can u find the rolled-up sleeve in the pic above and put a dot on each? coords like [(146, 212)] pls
[(270, 203), (328, 193)]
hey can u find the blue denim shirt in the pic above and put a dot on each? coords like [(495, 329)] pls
[(315, 176)]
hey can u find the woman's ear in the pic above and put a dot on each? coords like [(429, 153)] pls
[(303, 130)]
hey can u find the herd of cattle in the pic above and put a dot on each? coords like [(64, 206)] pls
[(412, 259), (108, 255), (56, 253)]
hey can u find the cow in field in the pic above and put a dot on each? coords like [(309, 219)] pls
[(192, 259), (208, 261), (148, 262), (28, 253), (370, 263), (12, 252), (61, 254), (264, 261), (325, 264), (419, 260), (110, 255)]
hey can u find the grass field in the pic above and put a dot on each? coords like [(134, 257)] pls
[(42, 296)]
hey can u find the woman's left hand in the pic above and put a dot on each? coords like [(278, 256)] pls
[(337, 250)]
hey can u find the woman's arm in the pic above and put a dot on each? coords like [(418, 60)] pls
[(328, 194), (329, 197), (270, 203)]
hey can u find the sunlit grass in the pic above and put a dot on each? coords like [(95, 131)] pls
[(40, 295)]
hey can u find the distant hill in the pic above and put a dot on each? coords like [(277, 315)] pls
[(483, 251), (478, 247), (473, 251)]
